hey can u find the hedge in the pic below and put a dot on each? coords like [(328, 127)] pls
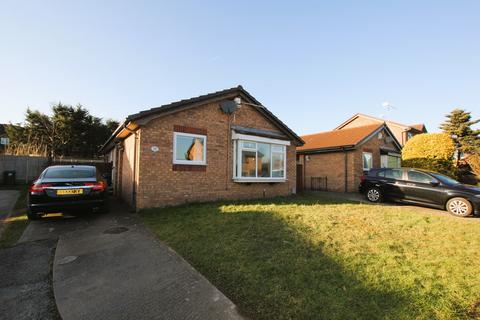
[(430, 151)]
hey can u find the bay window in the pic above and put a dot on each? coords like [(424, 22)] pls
[(263, 160)]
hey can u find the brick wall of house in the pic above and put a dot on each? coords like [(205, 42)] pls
[(160, 185), (127, 168), (332, 164), (373, 145)]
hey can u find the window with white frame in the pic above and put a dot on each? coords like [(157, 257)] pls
[(367, 161), (390, 161), (189, 148), (261, 160)]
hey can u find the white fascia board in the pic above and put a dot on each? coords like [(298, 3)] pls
[(237, 136)]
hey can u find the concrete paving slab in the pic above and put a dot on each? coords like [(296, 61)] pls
[(26, 281), (113, 268)]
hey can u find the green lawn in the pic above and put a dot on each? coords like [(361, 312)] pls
[(313, 258), (16, 224)]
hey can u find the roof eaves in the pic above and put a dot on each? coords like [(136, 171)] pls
[(327, 149), (185, 102)]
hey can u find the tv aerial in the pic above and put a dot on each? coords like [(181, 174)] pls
[(388, 107)]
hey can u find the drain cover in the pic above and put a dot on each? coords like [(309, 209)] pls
[(67, 259), (115, 230)]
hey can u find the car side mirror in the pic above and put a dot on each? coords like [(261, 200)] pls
[(434, 183)]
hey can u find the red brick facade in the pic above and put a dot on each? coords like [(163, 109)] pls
[(333, 165), (159, 182)]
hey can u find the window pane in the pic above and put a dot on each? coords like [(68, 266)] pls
[(367, 161), (263, 160), (393, 174), (393, 162), (249, 145), (248, 163), (189, 148), (416, 176), (277, 148), (278, 165)]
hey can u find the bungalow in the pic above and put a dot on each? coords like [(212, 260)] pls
[(336, 160), (401, 132), (223, 145)]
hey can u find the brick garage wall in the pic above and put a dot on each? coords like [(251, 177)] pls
[(332, 165), (373, 145), (160, 185), (127, 169)]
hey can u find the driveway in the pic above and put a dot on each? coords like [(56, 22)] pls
[(110, 267), (26, 281)]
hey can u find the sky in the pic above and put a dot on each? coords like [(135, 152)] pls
[(312, 63)]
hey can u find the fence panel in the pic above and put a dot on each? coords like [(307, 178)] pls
[(27, 168)]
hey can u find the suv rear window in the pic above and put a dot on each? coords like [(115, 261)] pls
[(70, 173)]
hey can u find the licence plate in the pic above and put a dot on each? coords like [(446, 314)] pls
[(64, 192)]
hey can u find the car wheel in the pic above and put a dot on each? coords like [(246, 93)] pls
[(32, 216), (459, 207), (374, 195)]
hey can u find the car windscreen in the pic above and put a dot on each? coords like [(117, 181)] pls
[(70, 173), (445, 179)]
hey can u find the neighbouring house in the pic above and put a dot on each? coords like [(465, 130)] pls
[(4, 140), (223, 145), (401, 132), (336, 160)]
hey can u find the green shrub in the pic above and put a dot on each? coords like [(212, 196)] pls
[(429, 145), (430, 151), (438, 165)]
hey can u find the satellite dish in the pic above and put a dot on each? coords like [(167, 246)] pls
[(228, 106)]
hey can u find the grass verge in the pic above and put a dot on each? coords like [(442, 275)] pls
[(16, 224), (309, 257)]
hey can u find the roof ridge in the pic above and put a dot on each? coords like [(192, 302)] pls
[(343, 130), (182, 101), (374, 118)]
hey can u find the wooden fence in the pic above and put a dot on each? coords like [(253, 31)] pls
[(28, 168)]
